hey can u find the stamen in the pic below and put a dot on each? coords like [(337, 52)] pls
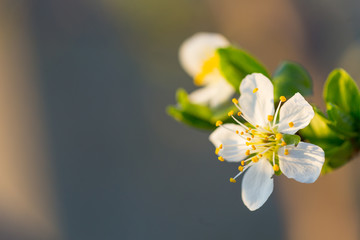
[(253, 147), (273, 158), (242, 163), (231, 113), (278, 136), (221, 146), (247, 152), (283, 143), (237, 132), (282, 99), (270, 117), (255, 159), (232, 180), (235, 101), (276, 168), (221, 158), (217, 150), (242, 133), (291, 124), (218, 123), (249, 139), (241, 168), (239, 114), (255, 90), (286, 152)]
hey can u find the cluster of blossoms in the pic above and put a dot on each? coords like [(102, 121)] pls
[(259, 145)]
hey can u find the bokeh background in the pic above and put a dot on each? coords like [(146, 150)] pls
[(88, 152)]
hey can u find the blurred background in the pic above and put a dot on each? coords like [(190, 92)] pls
[(88, 152)]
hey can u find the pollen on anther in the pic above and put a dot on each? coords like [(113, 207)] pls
[(286, 152), (242, 163), (276, 168), (218, 123), (283, 143), (232, 180), (247, 152), (260, 155), (242, 133), (241, 168), (291, 124), (221, 146), (282, 98), (231, 113), (255, 159), (253, 147), (252, 136), (279, 136), (239, 114), (237, 132), (253, 131), (221, 158), (249, 139), (217, 150), (270, 117), (255, 90), (235, 101)]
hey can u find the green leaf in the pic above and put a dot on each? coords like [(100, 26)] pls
[(318, 132), (337, 156), (341, 121), (291, 139), (184, 117), (235, 64), (340, 89), (196, 110), (290, 78)]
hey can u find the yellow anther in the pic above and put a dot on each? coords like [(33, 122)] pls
[(247, 153), (221, 146), (242, 163), (242, 133), (246, 131), (221, 158), (232, 180), (247, 143), (282, 98), (239, 114), (255, 90), (217, 150), (257, 126), (276, 168), (237, 132), (231, 113), (252, 136), (279, 136), (249, 139), (253, 147), (218, 123), (235, 101), (241, 168), (286, 152), (260, 155), (253, 131), (283, 143), (266, 138), (270, 117), (291, 124), (255, 159)]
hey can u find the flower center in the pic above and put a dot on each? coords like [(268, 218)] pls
[(209, 66), (261, 142)]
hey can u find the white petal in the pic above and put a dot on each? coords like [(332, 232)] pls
[(213, 94), (257, 184), (228, 137), (195, 50), (257, 106), (296, 110), (303, 163)]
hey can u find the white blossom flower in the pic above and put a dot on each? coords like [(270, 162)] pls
[(260, 146), (199, 59)]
